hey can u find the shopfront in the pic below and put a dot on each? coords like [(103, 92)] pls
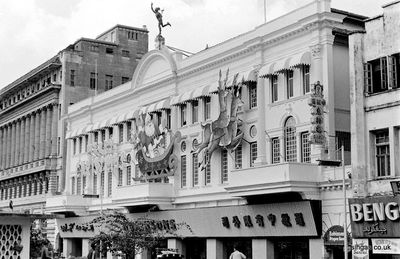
[(282, 230), (375, 227)]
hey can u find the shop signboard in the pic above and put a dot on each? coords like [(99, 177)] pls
[(360, 248), (334, 236), (385, 245), (376, 217)]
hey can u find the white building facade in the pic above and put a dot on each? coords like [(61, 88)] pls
[(268, 194)]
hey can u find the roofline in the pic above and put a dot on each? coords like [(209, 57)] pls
[(125, 27), (391, 3), (95, 41), (26, 76), (31, 215), (374, 18), (352, 15)]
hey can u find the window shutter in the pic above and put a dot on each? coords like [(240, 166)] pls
[(384, 74), (392, 72), (367, 78)]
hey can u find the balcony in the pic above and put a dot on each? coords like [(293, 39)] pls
[(277, 178), (144, 194), (66, 204)]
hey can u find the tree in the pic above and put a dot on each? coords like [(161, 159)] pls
[(37, 242), (119, 233)]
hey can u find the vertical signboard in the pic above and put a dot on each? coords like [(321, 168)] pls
[(317, 103)]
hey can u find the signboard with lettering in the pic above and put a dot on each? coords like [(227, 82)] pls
[(334, 236), (360, 248), (264, 220), (375, 216), (385, 246)]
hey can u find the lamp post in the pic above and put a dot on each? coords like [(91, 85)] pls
[(337, 163)]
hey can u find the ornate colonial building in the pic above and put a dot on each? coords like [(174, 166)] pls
[(33, 110), (231, 154)]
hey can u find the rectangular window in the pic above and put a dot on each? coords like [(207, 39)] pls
[(119, 177), (128, 130), (83, 184), (305, 148), (343, 138), (109, 82), (207, 173), (93, 80), (80, 145), (96, 137), (94, 183), (168, 115), (109, 192), (72, 186), (78, 185), (252, 95), (274, 88), (125, 53), (289, 83), (183, 171), (94, 48), (103, 136), (109, 51), (306, 79), (121, 133), (207, 107), (276, 150), (238, 157), (124, 79), (195, 169), (86, 142), (128, 175), (195, 111), (72, 78), (224, 166), (183, 114), (382, 153), (74, 146), (253, 153)]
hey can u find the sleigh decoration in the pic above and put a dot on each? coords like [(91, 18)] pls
[(154, 147)]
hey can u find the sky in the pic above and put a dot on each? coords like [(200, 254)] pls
[(32, 31)]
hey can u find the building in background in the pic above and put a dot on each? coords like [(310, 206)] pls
[(33, 111), (375, 120), (134, 148)]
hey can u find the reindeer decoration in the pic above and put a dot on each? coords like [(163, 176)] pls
[(223, 132)]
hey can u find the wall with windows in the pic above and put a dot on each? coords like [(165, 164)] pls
[(374, 70)]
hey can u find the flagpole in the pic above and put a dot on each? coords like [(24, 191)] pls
[(265, 11)]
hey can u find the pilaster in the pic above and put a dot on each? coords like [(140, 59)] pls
[(27, 138), (12, 154), (42, 135), (48, 132), (22, 142), (37, 136)]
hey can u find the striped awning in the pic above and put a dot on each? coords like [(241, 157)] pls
[(267, 70), (303, 58), (281, 66), (77, 132)]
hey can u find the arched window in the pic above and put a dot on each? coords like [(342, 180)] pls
[(290, 140)]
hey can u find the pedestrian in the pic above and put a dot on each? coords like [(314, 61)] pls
[(236, 254)]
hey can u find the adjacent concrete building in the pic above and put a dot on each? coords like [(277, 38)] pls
[(265, 191), (33, 110)]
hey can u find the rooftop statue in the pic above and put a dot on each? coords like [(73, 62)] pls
[(158, 14)]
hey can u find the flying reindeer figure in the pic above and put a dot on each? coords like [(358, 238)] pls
[(223, 132)]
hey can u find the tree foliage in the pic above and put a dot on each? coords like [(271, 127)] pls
[(119, 233), (37, 242)]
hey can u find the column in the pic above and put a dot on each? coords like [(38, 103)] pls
[(316, 248), (261, 100), (17, 140), (27, 137), (32, 134), (42, 135), (36, 146), (48, 132), (22, 142), (8, 156), (215, 249), (54, 125), (175, 243), (12, 151), (1, 148), (262, 248)]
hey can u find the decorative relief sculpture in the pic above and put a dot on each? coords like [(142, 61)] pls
[(158, 14), (224, 131), (154, 146)]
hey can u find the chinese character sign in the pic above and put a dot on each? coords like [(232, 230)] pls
[(317, 103)]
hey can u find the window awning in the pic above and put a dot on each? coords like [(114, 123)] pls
[(281, 66), (299, 59), (77, 132), (267, 70)]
